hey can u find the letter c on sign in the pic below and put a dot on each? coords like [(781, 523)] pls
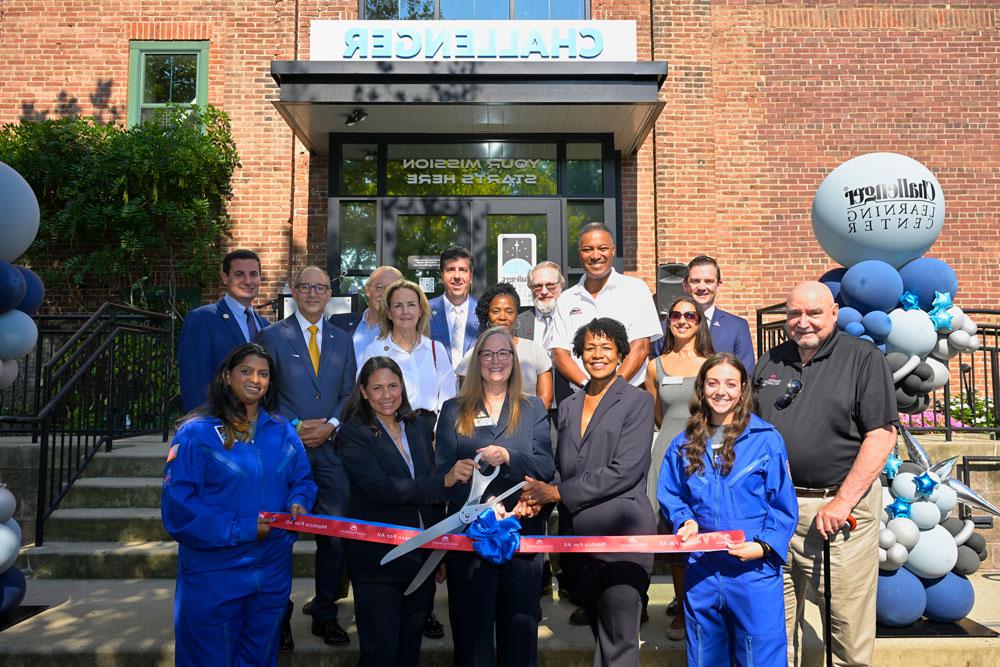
[(597, 43), (404, 49)]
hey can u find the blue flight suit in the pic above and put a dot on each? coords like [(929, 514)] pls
[(231, 588), (734, 611)]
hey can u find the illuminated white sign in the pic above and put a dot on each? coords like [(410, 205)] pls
[(437, 41)]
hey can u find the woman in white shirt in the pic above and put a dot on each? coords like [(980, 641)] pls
[(427, 373), (498, 308)]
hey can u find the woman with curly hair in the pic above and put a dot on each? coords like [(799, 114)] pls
[(728, 470)]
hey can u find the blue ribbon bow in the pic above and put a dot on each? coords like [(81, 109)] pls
[(495, 540)]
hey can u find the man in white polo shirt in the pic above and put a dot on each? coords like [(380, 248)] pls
[(603, 292)]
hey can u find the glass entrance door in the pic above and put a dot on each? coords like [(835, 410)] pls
[(519, 232)]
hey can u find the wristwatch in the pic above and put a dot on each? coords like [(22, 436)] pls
[(765, 546)]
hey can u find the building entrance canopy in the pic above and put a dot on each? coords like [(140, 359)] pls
[(320, 98)]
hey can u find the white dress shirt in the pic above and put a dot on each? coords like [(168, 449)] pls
[(429, 381), (460, 314), (304, 325)]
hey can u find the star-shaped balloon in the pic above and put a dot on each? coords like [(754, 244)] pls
[(900, 508), (892, 465), (941, 320), (909, 301), (926, 482), (942, 301)]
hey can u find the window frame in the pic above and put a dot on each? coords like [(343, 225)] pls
[(363, 12), (140, 48)]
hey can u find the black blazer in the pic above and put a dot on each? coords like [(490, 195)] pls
[(526, 329), (382, 490), (530, 448), (602, 474)]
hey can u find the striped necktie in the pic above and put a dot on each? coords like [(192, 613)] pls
[(457, 331)]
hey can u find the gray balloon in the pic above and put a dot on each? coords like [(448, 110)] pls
[(8, 504), (968, 561), (976, 542)]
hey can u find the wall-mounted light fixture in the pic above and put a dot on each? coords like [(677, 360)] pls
[(355, 117)]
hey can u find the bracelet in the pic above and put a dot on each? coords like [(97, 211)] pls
[(765, 546)]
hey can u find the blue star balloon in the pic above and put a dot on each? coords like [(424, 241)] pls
[(941, 320), (909, 301), (900, 508), (892, 465), (942, 301), (925, 484)]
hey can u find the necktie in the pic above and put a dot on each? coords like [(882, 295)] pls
[(546, 331), (457, 329), (314, 348), (252, 329)]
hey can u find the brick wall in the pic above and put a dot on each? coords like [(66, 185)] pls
[(762, 101)]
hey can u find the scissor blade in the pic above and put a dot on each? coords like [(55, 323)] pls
[(451, 524), (425, 571)]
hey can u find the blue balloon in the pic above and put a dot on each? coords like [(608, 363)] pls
[(18, 334), (877, 324), (949, 598), (832, 280), (871, 285), (855, 328), (881, 347), (846, 315), (34, 293), (900, 599), (925, 276), (12, 287), (12, 589)]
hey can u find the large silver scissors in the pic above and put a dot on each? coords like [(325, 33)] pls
[(456, 523)]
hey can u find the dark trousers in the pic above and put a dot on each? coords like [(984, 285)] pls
[(487, 601), (611, 594), (390, 624), (332, 499)]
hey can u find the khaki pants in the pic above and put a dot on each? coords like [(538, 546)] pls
[(853, 579)]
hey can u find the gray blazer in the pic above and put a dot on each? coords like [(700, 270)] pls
[(301, 394), (602, 473)]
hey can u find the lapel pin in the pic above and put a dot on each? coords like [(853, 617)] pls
[(225, 316)]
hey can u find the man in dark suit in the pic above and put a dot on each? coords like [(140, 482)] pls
[(315, 368), (363, 327), (729, 332), (211, 331), (453, 314)]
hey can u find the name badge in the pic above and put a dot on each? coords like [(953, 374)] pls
[(672, 379), (484, 421)]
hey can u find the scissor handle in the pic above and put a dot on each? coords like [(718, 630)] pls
[(479, 483)]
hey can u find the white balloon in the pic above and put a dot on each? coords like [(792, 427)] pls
[(943, 350), (887, 496), (912, 333), (849, 212), (925, 514), (946, 500), (16, 528), (10, 544), (896, 554), (885, 517), (881, 556), (8, 504), (975, 342), (8, 374), (18, 214), (968, 326), (934, 555), (886, 538), (941, 375), (959, 339), (906, 532), (903, 486)]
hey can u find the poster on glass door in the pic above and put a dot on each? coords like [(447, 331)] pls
[(516, 255)]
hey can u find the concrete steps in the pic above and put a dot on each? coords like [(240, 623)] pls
[(114, 492)]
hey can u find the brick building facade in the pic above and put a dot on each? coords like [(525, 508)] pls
[(762, 100)]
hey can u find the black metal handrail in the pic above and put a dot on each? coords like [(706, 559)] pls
[(974, 408), (113, 377)]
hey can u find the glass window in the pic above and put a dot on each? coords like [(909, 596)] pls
[(492, 168), (398, 9), (420, 239), (358, 248), (359, 170), (475, 9), (162, 73), (550, 9), (578, 214), (584, 173)]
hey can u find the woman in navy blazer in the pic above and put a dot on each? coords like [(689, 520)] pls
[(389, 458), (494, 608), (603, 458)]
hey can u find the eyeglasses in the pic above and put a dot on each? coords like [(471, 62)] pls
[(792, 390), (312, 287), (499, 355), (689, 315), (548, 287)]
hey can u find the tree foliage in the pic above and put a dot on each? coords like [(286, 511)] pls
[(141, 209)]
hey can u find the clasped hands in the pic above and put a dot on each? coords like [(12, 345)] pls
[(314, 432), (264, 524)]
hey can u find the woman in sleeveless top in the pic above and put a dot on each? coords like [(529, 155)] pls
[(670, 380)]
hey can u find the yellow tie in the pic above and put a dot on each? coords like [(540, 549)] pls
[(314, 348)]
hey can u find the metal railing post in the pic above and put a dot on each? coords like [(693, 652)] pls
[(41, 504)]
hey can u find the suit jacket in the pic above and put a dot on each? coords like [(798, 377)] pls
[(382, 490), (210, 332), (346, 322), (439, 323), (525, 328), (301, 394), (530, 448), (602, 473), (729, 334)]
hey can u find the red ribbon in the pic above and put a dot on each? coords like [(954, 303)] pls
[(582, 544)]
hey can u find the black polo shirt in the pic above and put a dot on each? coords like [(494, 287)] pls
[(847, 391)]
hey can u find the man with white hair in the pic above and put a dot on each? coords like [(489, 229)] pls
[(546, 283)]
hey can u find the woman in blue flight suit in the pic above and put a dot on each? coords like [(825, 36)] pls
[(729, 471), (230, 460)]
